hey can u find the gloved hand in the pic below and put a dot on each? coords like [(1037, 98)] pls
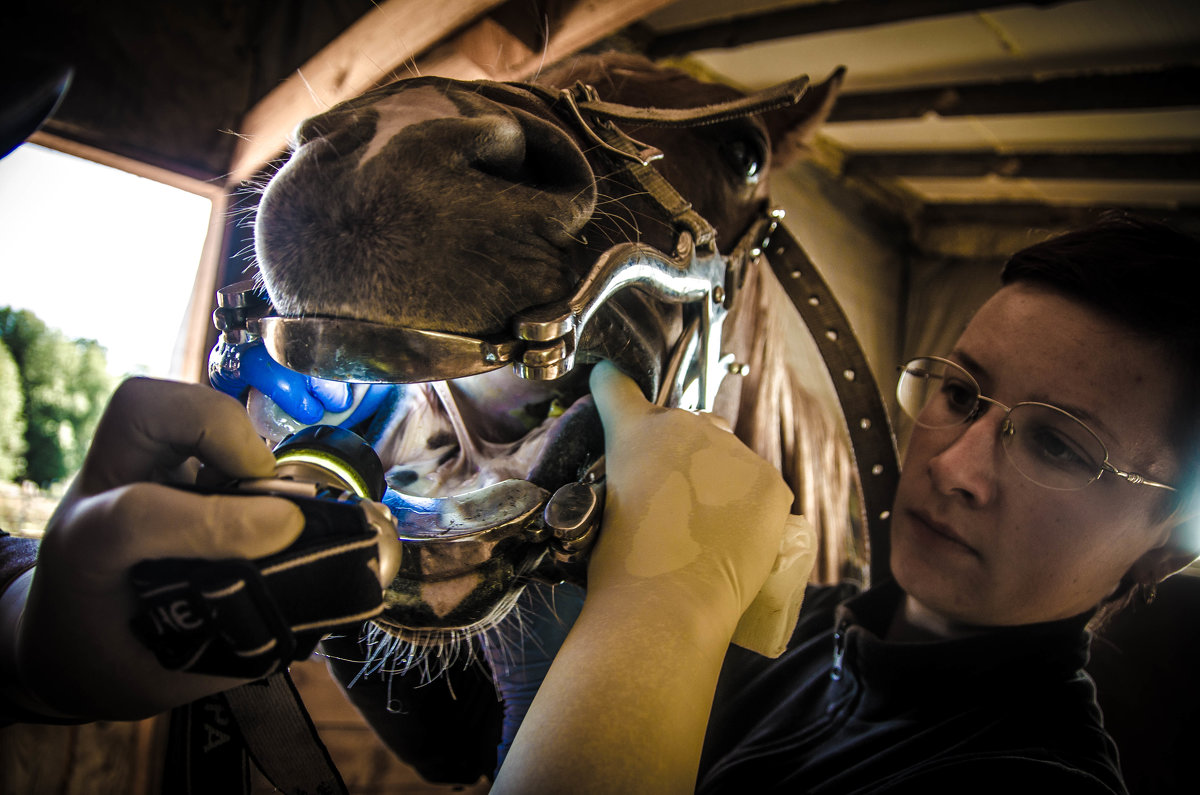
[(65, 627), (310, 400), (521, 648), (690, 510), (723, 485), (693, 524)]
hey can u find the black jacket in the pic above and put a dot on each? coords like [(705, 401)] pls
[(843, 711)]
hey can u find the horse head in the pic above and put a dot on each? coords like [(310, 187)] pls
[(430, 212)]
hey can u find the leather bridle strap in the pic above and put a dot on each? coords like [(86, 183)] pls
[(872, 444), (779, 96)]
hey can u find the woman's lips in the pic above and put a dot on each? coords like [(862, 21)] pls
[(943, 531)]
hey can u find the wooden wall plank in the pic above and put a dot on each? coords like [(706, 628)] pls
[(738, 30), (1144, 166), (1171, 87)]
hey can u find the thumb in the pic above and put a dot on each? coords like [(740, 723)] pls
[(616, 396), (148, 520), (151, 426)]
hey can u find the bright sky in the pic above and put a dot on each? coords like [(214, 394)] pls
[(99, 253)]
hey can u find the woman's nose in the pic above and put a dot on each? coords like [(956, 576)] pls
[(968, 463)]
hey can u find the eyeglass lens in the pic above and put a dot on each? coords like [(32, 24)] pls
[(1045, 443)]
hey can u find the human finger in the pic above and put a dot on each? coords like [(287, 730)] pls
[(616, 394), (149, 520), (151, 426)]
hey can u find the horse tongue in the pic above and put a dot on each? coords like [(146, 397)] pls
[(574, 442)]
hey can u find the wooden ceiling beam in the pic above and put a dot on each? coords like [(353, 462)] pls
[(466, 39), (1037, 215), (515, 41), (738, 30), (1172, 87), (1150, 167), (375, 46)]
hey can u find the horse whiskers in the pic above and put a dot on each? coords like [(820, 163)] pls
[(621, 223), (431, 656), (431, 653), (618, 228), (574, 237), (505, 643)]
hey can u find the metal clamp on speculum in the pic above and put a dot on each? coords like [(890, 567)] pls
[(551, 333)]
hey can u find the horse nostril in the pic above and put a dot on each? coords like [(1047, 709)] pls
[(527, 151), (494, 145)]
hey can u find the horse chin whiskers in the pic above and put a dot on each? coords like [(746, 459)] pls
[(391, 651)]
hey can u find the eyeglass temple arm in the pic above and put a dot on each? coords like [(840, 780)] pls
[(1135, 478)]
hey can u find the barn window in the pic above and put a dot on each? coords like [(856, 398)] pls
[(100, 253), (97, 253)]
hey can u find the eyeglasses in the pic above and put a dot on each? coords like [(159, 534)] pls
[(1045, 443)]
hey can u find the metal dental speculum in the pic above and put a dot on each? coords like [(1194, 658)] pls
[(463, 553), (545, 339)]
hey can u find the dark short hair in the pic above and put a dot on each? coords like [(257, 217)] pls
[(1146, 276)]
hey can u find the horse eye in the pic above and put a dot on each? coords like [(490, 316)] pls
[(746, 156)]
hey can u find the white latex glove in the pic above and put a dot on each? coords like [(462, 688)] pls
[(693, 525), (686, 502), (64, 628), (768, 623)]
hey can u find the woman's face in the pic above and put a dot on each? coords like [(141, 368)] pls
[(977, 543)]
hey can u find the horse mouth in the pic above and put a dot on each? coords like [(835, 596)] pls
[(469, 498)]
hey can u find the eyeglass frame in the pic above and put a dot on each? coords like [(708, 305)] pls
[(1008, 428)]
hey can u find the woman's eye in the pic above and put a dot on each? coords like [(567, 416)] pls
[(958, 396), (1055, 448)]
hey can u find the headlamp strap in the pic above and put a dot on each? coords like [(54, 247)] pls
[(249, 619), (212, 741)]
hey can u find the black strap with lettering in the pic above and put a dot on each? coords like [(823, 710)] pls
[(248, 619), (213, 740), (205, 751)]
